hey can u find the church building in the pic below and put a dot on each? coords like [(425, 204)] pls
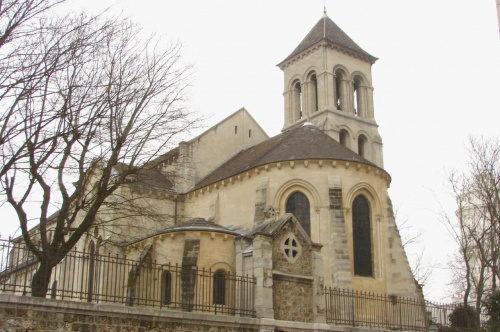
[(300, 211)]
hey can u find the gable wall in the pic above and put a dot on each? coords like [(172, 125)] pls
[(221, 142)]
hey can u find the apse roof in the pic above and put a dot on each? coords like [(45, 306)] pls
[(327, 30), (301, 143)]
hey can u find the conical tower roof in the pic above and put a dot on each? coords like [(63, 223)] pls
[(327, 30)]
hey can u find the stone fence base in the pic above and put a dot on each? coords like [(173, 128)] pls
[(28, 314)]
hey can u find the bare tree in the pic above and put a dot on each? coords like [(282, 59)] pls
[(110, 99), (19, 21), (476, 226)]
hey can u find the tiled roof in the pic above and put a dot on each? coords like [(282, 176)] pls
[(148, 177), (152, 178), (327, 30), (302, 143)]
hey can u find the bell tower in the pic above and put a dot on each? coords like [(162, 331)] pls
[(328, 82)]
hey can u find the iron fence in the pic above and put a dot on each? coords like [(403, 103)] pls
[(113, 278), (363, 309)]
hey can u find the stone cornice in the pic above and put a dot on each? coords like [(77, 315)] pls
[(326, 44)]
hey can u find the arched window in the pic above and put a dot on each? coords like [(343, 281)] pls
[(362, 239), (357, 97), (298, 204), (314, 93), (362, 145), (219, 288), (167, 288), (339, 91), (297, 100)]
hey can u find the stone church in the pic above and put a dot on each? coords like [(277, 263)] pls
[(299, 211)]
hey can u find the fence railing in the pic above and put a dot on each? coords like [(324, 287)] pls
[(91, 277), (363, 309)]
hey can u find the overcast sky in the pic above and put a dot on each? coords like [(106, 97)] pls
[(436, 82)]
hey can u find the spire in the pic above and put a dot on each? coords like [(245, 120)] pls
[(324, 18), (327, 30)]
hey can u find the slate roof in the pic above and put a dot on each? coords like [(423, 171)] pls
[(302, 143), (327, 30), (148, 177)]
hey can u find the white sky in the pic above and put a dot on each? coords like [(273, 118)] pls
[(436, 82)]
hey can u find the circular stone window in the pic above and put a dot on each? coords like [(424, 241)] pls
[(291, 248)]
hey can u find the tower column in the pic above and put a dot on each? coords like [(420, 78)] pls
[(288, 100), (369, 103), (307, 99), (326, 91), (344, 91), (350, 96), (361, 102)]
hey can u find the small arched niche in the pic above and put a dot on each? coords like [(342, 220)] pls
[(345, 138), (362, 146)]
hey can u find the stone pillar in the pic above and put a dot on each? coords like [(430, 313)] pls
[(262, 271), (369, 103), (361, 102), (297, 105), (306, 99), (288, 100), (185, 176), (318, 286), (344, 95), (339, 253), (312, 90), (326, 91), (349, 97)]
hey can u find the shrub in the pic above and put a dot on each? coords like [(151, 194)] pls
[(464, 316)]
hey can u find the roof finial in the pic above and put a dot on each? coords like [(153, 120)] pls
[(324, 18)]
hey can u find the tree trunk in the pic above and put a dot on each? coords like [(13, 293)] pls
[(41, 279)]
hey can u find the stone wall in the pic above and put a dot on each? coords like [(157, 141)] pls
[(293, 299), (26, 314), (339, 255)]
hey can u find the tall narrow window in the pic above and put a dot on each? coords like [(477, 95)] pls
[(339, 99), (219, 287), (297, 101), (167, 288), (358, 97), (314, 90), (235, 129), (298, 204), (362, 239)]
